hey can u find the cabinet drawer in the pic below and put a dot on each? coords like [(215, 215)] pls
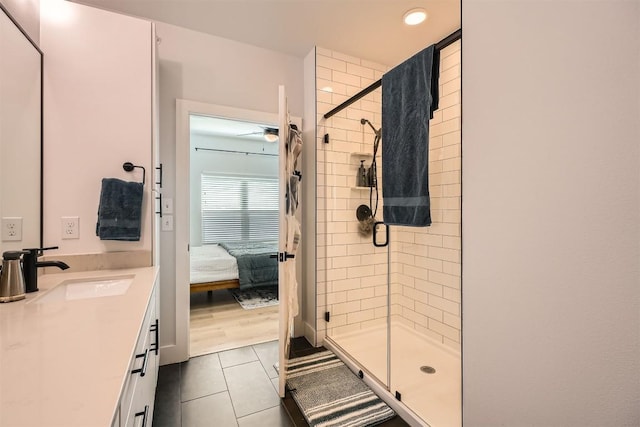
[(138, 397)]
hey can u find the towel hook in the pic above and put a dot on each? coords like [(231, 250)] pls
[(128, 166)]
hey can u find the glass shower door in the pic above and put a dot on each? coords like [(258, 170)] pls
[(394, 310), (352, 272)]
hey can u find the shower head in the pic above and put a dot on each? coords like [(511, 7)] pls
[(365, 121)]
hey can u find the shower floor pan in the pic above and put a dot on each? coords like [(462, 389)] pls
[(434, 397)]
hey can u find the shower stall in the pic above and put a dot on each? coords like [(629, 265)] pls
[(392, 310)]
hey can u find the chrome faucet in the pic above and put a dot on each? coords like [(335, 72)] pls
[(30, 266)]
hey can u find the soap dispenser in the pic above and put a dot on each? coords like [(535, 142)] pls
[(371, 176), (361, 179)]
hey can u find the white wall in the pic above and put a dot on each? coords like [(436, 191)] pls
[(97, 104), (551, 218), (200, 67), (27, 13)]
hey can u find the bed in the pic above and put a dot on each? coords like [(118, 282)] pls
[(233, 265)]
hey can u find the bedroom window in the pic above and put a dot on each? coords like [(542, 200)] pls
[(239, 208)]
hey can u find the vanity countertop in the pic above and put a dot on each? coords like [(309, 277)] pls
[(64, 363)]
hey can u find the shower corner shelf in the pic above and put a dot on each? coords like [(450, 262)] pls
[(360, 155), (360, 188)]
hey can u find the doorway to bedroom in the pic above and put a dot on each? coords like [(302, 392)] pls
[(233, 233)]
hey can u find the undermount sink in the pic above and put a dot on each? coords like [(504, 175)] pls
[(96, 287)]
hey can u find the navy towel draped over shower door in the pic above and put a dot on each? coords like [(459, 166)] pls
[(409, 97)]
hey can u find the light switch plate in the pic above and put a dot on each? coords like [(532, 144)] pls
[(167, 206), (167, 223), (11, 229)]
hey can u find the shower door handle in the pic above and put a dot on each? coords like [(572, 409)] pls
[(375, 233)]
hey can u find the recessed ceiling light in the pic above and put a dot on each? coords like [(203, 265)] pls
[(56, 11), (415, 16)]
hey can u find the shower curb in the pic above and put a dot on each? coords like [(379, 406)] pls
[(401, 409)]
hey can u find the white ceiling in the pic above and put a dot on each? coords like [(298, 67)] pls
[(368, 29), (218, 126)]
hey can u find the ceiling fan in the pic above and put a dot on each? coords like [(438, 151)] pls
[(269, 133)]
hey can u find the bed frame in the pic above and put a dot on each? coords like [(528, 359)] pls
[(214, 286)]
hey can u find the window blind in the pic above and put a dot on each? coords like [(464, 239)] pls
[(239, 208)]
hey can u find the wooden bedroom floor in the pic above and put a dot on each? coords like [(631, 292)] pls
[(219, 323)]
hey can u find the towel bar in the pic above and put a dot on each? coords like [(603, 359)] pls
[(128, 166)]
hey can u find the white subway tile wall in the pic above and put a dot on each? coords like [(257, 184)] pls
[(353, 275)]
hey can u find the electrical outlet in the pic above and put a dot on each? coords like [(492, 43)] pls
[(70, 227), (11, 229), (167, 223)]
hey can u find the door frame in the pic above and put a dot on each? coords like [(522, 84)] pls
[(182, 224)]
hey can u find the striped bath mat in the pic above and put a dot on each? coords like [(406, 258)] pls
[(330, 395)]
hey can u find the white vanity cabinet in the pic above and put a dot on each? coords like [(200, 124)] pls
[(102, 333), (136, 404)]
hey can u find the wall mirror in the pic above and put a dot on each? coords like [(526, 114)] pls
[(20, 137)]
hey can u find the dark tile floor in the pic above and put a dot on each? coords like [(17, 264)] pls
[(231, 388)]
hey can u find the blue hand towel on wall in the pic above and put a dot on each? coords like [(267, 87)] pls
[(120, 210), (406, 109)]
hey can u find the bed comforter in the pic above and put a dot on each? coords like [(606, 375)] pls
[(255, 266)]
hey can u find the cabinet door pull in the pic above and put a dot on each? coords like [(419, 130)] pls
[(143, 370), (143, 414), (156, 328)]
